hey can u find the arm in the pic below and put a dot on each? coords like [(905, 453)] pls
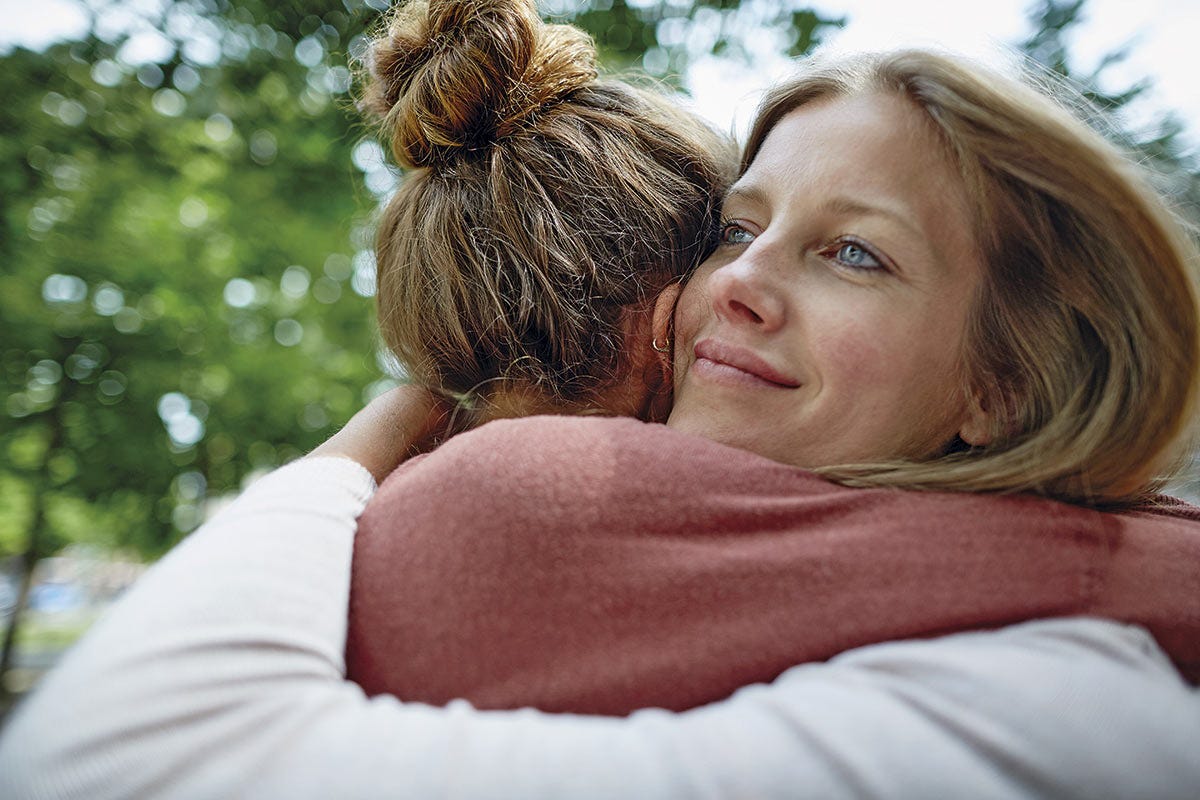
[(220, 674), (399, 423)]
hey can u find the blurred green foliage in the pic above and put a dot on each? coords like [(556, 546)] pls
[(178, 303), (661, 37)]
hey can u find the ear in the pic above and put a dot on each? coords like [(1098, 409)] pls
[(658, 407), (978, 427), (661, 324)]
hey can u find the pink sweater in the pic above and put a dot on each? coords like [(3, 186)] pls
[(602, 565)]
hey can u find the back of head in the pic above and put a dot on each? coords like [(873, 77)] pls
[(1084, 340), (542, 204)]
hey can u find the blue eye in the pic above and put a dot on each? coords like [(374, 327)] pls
[(856, 256), (734, 233)]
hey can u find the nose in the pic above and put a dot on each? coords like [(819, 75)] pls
[(743, 292)]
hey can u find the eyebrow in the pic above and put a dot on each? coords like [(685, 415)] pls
[(749, 194), (845, 205)]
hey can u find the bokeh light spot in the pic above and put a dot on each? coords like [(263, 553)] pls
[(294, 282), (326, 290), (107, 72), (310, 51), (108, 299), (67, 177), (189, 486), (183, 426), (262, 147), (185, 79), (288, 332), (338, 267), (363, 281), (151, 307), (202, 51), (168, 102), (18, 405), (314, 417), (127, 320), (218, 127), (150, 75), (80, 366), (186, 517), (46, 371), (367, 155), (240, 293), (193, 212), (72, 113), (112, 383), (173, 405), (64, 289)]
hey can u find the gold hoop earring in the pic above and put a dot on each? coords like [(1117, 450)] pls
[(665, 347)]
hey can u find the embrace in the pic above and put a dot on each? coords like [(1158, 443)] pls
[(829, 470)]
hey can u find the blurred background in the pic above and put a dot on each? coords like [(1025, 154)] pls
[(186, 210)]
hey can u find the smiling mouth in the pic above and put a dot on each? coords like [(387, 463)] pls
[(728, 363)]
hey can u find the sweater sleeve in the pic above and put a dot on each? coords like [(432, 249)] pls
[(251, 605), (220, 675)]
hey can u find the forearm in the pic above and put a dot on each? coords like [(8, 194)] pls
[(1058, 709), (222, 643), (397, 424)]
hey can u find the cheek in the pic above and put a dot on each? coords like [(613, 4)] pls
[(692, 312), (879, 355), (689, 312), (854, 356)]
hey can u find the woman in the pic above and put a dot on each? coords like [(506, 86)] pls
[(1035, 333), (242, 665)]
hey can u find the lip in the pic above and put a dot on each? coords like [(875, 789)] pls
[(742, 360)]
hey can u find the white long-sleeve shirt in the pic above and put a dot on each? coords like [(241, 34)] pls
[(220, 675)]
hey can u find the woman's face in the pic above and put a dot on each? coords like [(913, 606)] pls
[(827, 327)]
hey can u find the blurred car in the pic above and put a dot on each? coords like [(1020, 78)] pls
[(55, 598)]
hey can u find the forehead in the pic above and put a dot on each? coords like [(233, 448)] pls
[(876, 126)]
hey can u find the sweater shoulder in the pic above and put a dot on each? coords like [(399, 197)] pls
[(564, 447), (618, 453)]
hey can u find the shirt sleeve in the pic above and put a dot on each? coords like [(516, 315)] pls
[(220, 674)]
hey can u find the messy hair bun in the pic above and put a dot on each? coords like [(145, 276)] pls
[(454, 76)]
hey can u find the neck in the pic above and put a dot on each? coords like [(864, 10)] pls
[(516, 402)]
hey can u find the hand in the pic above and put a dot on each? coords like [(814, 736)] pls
[(397, 424)]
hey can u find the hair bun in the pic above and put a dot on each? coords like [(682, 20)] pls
[(449, 77)]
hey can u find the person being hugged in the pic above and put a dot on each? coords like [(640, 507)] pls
[(543, 211)]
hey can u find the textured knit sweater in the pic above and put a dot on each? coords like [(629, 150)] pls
[(603, 565)]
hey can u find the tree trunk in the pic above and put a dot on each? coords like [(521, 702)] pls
[(29, 559)]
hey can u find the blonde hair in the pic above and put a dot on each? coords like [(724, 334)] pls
[(1083, 341), (542, 204)]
